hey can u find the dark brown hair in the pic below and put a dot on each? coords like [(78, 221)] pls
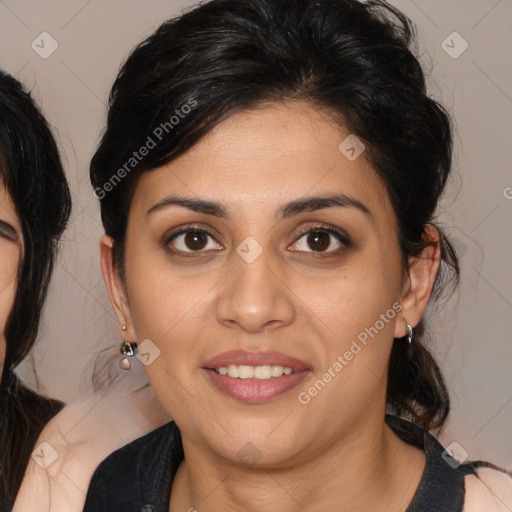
[(31, 170), (354, 59)]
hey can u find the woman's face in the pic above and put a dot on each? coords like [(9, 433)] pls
[(10, 254), (291, 262)]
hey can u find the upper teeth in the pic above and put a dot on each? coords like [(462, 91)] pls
[(254, 372)]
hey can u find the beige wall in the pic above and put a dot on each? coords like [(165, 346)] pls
[(472, 331)]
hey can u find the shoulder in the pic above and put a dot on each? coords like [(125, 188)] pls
[(489, 489), (447, 484), (58, 451), (69, 449)]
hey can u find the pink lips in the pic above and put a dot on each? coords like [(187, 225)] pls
[(255, 390), (255, 359)]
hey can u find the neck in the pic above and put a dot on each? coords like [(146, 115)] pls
[(369, 470)]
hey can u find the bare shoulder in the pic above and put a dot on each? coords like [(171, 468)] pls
[(76, 440), (490, 490), (57, 471)]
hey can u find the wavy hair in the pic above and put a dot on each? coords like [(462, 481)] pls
[(351, 58)]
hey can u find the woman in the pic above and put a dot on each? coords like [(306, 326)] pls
[(34, 209), (268, 182)]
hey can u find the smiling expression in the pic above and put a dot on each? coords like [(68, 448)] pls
[(263, 249)]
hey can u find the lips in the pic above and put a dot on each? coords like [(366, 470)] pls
[(244, 357), (253, 390)]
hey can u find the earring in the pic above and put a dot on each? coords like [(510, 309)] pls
[(127, 349), (409, 333)]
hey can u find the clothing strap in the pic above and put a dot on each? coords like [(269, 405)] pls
[(442, 483)]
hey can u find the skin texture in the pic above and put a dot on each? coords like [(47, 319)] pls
[(11, 250), (83, 434), (335, 451)]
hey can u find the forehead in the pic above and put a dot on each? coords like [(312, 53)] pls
[(267, 156)]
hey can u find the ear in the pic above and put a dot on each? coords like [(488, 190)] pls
[(115, 288), (419, 282)]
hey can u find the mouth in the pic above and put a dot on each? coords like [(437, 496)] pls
[(263, 372), (255, 377)]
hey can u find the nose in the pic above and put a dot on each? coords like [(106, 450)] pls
[(253, 296)]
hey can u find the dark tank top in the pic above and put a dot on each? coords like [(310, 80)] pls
[(138, 476)]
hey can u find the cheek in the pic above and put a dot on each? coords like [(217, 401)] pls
[(159, 299), (358, 311), (171, 310), (356, 297), (176, 315), (8, 279)]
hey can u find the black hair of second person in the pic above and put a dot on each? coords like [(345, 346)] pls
[(31, 171), (351, 59)]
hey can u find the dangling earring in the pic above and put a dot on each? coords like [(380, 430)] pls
[(409, 333), (127, 349)]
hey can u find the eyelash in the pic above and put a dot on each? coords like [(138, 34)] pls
[(340, 235)]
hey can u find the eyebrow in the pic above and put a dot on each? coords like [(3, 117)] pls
[(295, 207)]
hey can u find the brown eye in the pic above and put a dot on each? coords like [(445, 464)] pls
[(191, 240), (195, 240), (319, 241), (322, 240)]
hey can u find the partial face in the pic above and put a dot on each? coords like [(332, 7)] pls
[(284, 258), (10, 254)]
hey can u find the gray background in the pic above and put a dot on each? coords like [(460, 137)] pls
[(472, 331)]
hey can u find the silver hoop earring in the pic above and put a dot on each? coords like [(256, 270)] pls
[(128, 349), (409, 333)]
